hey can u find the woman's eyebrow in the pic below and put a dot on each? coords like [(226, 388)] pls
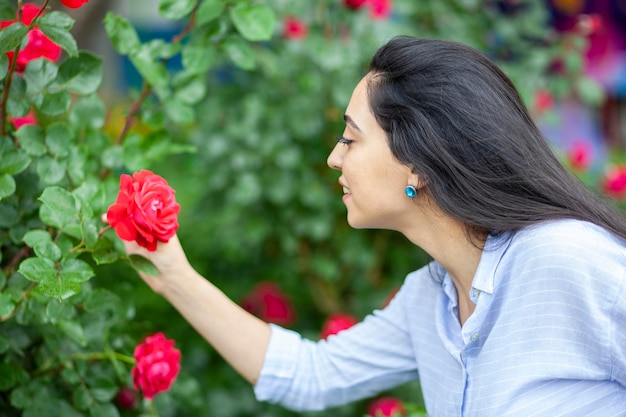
[(351, 122)]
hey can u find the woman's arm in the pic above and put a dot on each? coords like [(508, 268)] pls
[(240, 337)]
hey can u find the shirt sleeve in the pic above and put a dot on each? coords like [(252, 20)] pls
[(371, 356), (618, 336)]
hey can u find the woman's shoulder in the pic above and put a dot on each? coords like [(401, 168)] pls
[(568, 236)]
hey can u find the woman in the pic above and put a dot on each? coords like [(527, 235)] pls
[(523, 310)]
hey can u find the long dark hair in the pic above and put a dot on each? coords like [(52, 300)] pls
[(456, 119)]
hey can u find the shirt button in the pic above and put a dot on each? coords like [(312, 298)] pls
[(474, 337), (476, 293)]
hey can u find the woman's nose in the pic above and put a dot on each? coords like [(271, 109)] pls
[(334, 159)]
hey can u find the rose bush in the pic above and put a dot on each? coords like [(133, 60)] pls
[(145, 210), (240, 119)]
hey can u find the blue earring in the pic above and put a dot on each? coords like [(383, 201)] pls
[(410, 191)]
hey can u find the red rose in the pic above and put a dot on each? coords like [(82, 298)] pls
[(145, 210), (18, 122), (73, 4), (270, 304), (614, 182), (386, 407), (158, 363), (38, 45), (336, 323), (354, 4), (579, 156), (294, 28)]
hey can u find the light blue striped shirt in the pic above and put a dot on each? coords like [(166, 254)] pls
[(547, 337)]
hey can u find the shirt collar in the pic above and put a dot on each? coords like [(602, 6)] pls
[(495, 247)]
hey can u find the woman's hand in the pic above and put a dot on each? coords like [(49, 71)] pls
[(169, 258)]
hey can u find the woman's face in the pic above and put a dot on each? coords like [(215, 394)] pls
[(373, 180)]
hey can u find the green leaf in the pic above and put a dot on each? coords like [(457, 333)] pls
[(81, 397), (151, 70), (31, 140), (104, 410), (8, 376), (36, 236), (90, 233), (47, 250), (57, 288), (56, 25), (190, 89), (197, 59), (88, 112), (121, 33), (100, 300), (54, 218), (4, 66), (240, 52), (12, 36), (51, 170), (82, 74), (7, 185), (57, 310), (255, 22), (38, 269), (176, 9), (8, 215), (59, 139), (143, 264), (74, 331), (75, 270), (55, 104), (179, 112), (4, 344), (59, 199), (6, 304), (14, 161), (590, 91), (39, 74), (208, 11)]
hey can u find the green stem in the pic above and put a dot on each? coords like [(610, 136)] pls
[(12, 65), (153, 410)]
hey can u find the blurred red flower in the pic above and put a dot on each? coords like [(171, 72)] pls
[(589, 24), (294, 28), (380, 9), (158, 363), (354, 4), (268, 302), (614, 182), (29, 119), (38, 44), (579, 156), (544, 101), (336, 323), (127, 398), (386, 407), (145, 210), (73, 4)]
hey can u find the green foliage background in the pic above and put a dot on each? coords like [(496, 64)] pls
[(242, 132)]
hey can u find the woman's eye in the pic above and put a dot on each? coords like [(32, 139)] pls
[(342, 140)]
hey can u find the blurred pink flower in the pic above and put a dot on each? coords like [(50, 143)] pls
[(29, 119), (543, 101), (354, 4), (268, 302), (336, 323), (579, 155), (294, 28), (380, 9), (386, 407), (614, 182)]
